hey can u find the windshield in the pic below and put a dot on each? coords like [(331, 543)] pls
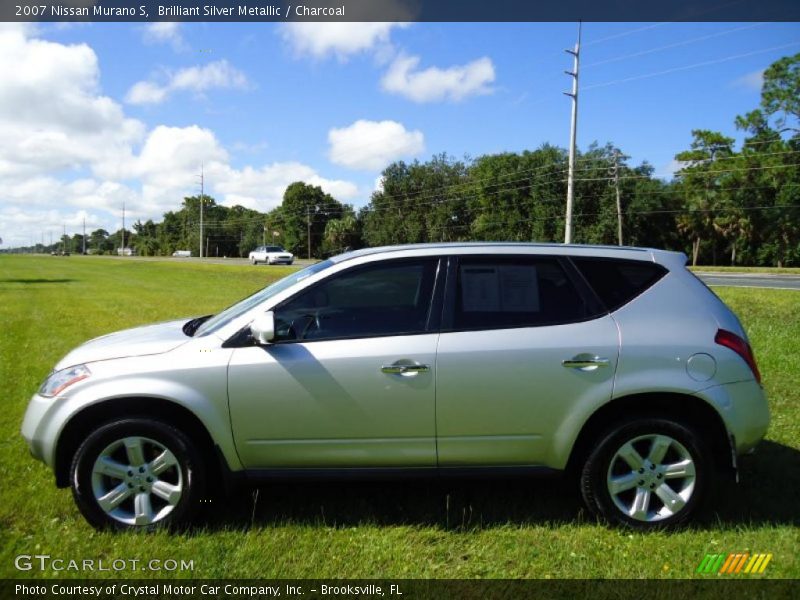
[(238, 309)]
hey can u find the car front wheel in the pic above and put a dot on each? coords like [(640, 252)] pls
[(137, 473), (647, 473)]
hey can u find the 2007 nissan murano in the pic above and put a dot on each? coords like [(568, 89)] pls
[(616, 364)]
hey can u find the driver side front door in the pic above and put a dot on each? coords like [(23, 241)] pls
[(350, 381)]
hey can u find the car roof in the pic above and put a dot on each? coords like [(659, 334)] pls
[(628, 252)]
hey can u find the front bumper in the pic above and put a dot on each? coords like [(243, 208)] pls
[(36, 430)]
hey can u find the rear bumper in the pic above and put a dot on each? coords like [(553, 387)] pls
[(743, 407)]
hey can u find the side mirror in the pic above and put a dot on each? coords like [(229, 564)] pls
[(263, 328)]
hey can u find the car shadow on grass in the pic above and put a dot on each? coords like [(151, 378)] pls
[(449, 504), (767, 494), (31, 281), (768, 491)]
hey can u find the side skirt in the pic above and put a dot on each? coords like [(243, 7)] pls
[(394, 473)]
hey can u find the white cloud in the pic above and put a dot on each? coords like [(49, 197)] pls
[(263, 188), (146, 92), (371, 145), (67, 152), (751, 81), (165, 32), (52, 115), (342, 40), (219, 74), (434, 84)]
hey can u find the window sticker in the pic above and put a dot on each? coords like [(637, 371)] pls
[(499, 289)]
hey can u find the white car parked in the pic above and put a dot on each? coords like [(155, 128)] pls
[(271, 255)]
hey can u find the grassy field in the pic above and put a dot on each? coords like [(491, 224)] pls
[(765, 270), (505, 529)]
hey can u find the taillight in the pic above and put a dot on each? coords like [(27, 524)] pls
[(741, 347)]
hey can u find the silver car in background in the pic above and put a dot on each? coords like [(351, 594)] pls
[(614, 365)]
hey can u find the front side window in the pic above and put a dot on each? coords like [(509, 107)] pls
[(237, 310), (389, 298), (498, 293)]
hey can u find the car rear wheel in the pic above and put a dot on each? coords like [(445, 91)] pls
[(137, 474), (647, 473)]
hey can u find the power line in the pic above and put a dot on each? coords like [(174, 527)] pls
[(645, 194), (673, 45), (624, 34), (482, 193), (688, 67)]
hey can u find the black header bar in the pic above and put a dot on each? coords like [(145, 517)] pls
[(398, 10)]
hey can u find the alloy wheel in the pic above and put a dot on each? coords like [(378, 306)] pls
[(651, 477), (137, 481)]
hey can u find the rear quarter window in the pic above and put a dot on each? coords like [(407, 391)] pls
[(616, 282)]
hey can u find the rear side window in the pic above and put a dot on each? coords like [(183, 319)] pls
[(617, 282), (499, 293)]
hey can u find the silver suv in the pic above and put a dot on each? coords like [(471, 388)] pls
[(615, 364)]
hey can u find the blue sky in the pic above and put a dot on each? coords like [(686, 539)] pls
[(91, 115)]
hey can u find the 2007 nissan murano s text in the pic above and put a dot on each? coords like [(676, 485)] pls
[(616, 364)]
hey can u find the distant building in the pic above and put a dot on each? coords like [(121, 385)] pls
[(125, 251)]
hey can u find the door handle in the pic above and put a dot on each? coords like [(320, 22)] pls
[(405, 369), (587, 363)]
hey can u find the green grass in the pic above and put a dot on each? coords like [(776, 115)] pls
[(765, 270), (508, 529)]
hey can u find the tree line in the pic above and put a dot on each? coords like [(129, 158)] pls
[(727, 204)]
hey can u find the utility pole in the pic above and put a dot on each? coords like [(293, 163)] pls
[(123, 228), (615, 174), (202, 193), (309, 232), (264, 236), (83, 250), (576, 53), (64, 241)]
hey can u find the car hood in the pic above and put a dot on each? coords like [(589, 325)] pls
[(139, 341)]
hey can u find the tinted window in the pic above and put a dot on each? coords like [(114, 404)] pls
[(514, 292), (391, 298), (275, 249), (617, 282), (238, 309)]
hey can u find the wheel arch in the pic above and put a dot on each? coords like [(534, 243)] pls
[(684, 408), (84, 421)]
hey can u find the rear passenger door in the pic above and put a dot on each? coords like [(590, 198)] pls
[(525, 349)]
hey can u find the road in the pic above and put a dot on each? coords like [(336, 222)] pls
[(751, 280)]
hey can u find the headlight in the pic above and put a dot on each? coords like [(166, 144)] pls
[(61, 380)]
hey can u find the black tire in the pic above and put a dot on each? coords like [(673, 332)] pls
[(185, 473), (684, 494)]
